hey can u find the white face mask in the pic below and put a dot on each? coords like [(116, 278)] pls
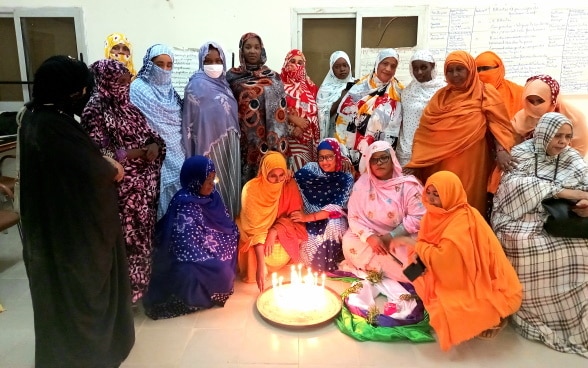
[(213, 70)]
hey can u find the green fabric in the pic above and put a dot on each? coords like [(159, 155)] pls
[(346, 279), (358, 328)]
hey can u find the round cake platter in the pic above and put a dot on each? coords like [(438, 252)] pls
[(285, 307)]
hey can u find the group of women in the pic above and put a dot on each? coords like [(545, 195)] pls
[(255, 169)]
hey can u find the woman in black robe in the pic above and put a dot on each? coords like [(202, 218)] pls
[(73, 248)]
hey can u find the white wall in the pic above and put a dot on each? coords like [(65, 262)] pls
[(185, 23)]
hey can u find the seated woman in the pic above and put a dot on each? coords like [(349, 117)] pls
[(325, 188), (371, 110), (468, 286), (552, 269), (337, 82), (269, 238), (384, 205), (196, 247)]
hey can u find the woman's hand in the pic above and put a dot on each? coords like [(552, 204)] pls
[(296, 132), (375, 242), (299, 122), (505, 161), (151, 152), (270, 240), (581, 208), (298, 216), (120, 171), (260, 271)]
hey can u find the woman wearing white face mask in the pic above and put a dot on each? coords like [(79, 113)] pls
[(210, 125), (153, 93)]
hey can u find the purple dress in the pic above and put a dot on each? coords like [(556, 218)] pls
[(117, 125)]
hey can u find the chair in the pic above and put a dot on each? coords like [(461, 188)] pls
[(9, 217), (7, 181)]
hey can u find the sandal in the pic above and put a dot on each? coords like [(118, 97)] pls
[(491, 333)]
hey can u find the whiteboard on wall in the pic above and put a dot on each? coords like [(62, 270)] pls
[(529, 39)]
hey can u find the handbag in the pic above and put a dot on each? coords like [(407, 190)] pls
[(562, 221)]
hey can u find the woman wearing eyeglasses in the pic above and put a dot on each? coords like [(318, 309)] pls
[(384, 206), (325, 187), (269, 238)]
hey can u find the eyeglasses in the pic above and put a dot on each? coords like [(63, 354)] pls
[(379, 160), (327, 158)]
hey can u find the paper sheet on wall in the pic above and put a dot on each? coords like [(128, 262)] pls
[(529, 39), (185, 64)]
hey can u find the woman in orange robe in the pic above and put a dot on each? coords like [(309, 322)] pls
[(491, 70), (469, 285), (464, 129), (269, 239)]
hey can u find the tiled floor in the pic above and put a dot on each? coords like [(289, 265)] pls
[(236, 336)]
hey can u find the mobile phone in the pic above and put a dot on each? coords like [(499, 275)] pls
[(414, 270)]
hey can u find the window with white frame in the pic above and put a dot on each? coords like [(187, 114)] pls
[(361, 32), (29, 37)]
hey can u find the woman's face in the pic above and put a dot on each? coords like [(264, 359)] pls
[(208, 185), (124, 79), (163, 61), (252, 51), (433, 196), (456, 74), (326, 160), (296, 60), (213, 57), (341, 68), (422, 70), (121, 49), (561, 140), (276, 176), (381, 165), (387, 69)]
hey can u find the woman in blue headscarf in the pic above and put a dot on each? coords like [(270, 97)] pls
[(325, 187), (196, 247), (153, 93), (210, 124)]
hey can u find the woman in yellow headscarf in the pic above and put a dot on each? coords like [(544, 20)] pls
[(268, 236), (118, 47), (469, 287)]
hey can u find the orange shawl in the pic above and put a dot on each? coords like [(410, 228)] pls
[(512, 93), (457, 118), (266, 204), (469, 284)]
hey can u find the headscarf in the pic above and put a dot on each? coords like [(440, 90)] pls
[(536, 147), (195, 171), (57, 79), (159, 84), (301, 95), (415, 98), (371, 107), (114, 39), (210, 108), (511, 92), (260, 199), (110, 108), (526, 119), (153, 93), (331, 88)]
